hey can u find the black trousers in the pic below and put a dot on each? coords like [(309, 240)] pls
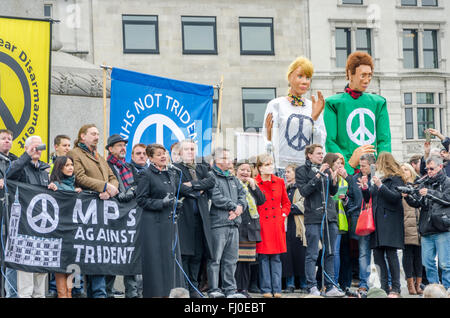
[(192, 263), (394, 267), (412, 261)]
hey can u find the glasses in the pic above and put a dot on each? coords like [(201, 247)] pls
[(430, 169)]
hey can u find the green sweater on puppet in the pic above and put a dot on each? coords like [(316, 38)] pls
[(351, 123)]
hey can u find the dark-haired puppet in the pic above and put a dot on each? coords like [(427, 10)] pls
[(357, 122)]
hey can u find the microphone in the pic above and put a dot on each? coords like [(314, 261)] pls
[(4, 157), (314, 169), (171, 166)]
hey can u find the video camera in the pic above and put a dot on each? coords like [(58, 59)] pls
[(408, 189)]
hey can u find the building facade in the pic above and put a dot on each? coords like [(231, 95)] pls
[(251, 44)]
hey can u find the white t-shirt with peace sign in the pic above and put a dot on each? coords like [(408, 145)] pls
[(293, 129)]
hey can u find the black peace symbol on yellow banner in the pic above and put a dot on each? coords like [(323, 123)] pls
[(5, 113)]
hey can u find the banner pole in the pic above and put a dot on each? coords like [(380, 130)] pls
[(219, 111), (104, 108)]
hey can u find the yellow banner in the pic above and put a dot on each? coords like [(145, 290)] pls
[(24, 80)]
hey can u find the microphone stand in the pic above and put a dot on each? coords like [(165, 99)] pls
[(324, 203), (4, 225)]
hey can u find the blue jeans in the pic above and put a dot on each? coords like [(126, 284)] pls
[(337, 257), (11, 283), (270, 270), (432, 245), (364, 260), (312, 253), (96, 286)]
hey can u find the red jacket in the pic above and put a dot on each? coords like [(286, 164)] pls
[(273, 234)]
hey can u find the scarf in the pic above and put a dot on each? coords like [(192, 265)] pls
[(354, 94), (296, 99), (86, 148), (252, 209), (225, 173), (125, 174), (191, 168), (69, 182)]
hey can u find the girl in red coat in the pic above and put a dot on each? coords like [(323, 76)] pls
[(273, 235)]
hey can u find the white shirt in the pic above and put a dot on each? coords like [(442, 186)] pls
[(293, 129)]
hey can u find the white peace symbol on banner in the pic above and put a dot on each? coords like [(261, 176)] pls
[(160, 121), (44, 216), (358, 137)]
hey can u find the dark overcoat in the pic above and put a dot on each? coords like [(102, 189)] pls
[(158, 232), (195, 202), (387, 213), (250, 229)]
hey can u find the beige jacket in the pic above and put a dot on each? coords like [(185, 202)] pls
[(91, 173), (411, 232)]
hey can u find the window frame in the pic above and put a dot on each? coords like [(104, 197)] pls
[(434, 33), (409, 5), (369, 40), (415, 48), (262, 101), (349, 44), (141, 51), (361, 2), (256, 24), (199, 23)]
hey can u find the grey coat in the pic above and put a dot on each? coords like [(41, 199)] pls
[(226, 195)]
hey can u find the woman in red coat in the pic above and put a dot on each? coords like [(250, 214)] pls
[(273, 234)]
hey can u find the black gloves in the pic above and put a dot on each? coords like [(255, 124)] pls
[(126, 196), (168, 201)]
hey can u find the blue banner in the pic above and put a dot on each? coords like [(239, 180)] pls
[(150, 109)]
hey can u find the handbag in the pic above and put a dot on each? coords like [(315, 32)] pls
[(365, 224)]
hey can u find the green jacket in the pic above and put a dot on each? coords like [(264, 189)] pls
[(351, 123)]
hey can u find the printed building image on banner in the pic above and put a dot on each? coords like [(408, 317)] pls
[(24, 79), (150, 109), (55, 231)]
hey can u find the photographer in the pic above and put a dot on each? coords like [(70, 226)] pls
[(387, 209), (434, 198), (311, 185)]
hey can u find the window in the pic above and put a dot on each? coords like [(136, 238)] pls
[(140, 34), (410, 51), (352, 1), (48, 10), (343, 47), (425, 120), (408, 98), (254, 103), (422, 110), (256, 35), (409, 124), (363, 41), (430, 54), (199, 35), (429, 3), (425, 98), (409, 2)]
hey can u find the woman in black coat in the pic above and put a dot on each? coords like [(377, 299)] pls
[(293, 261), (156, 195), (388, 216), (249, 229), (193, 223)]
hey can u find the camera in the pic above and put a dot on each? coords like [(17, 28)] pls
[(406, 189), (40, 147)]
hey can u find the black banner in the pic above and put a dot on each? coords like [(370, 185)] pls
[(62, 231)]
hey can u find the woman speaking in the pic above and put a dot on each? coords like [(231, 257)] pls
[(156, 195)]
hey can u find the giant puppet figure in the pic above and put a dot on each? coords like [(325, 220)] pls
[(357, 122), (293, 122)]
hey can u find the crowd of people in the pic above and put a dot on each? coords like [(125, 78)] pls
[(283, 220), (241, 228)]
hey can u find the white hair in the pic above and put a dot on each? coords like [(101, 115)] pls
[(435, 291), (30, 140)]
